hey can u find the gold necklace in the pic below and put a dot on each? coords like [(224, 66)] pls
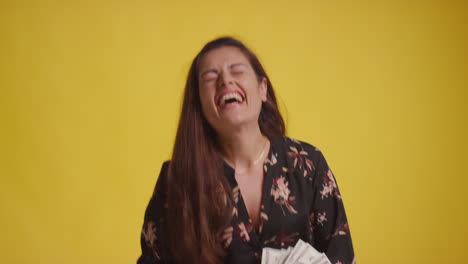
[(261, 154), (258, 159)]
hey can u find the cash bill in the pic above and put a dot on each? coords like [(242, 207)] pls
[(301, 253)]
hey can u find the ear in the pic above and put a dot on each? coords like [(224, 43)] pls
[(263, 88)]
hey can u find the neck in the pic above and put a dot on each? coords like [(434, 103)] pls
[(244, 149)]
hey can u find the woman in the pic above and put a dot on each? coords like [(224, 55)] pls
[(235, 183)]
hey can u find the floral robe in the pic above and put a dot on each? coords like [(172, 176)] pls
[(300, 200)]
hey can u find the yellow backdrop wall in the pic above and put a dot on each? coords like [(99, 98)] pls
[(91, 90)]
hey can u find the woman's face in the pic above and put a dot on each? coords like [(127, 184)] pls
[(230, 93)]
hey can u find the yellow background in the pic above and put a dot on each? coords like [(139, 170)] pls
[(90, 98)]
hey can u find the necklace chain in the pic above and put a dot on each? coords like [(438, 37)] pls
[(261, 154), (258, 159)]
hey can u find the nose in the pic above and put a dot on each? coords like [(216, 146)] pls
[(225, 79)]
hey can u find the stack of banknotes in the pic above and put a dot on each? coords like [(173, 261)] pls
[(301, 253)]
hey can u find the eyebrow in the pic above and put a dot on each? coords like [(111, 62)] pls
[(236, 64), (230, 67), (207, 71)]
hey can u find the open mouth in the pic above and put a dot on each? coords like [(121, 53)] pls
[(230, 99)]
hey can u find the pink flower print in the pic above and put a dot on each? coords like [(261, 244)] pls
[(149, 235), (263, 219), (341, 230), (235, 194), (299, 159), (310, 166), (295, 141), (312, 221), (234, 211), (282, 239), (321, 218), (296, 156), (329, 186), (272, 160), (235, 198), (223, 193), (243, 231), (331, 178), (327, 190), (226, 236), (280, 192)]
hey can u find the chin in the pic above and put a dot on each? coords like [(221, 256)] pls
[(233, 123)]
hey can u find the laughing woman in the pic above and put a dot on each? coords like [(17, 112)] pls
[(236, 183)]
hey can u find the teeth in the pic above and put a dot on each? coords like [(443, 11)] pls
[(229, 96)]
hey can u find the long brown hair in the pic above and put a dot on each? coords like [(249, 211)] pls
[(197, 212)]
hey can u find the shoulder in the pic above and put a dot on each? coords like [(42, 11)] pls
[(161, 181), (301, 157), (163, 172), (298, 148), (165, 166)]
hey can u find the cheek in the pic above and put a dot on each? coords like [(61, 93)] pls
[(206, 98), (250, 85), (245, 81), (255, 93)]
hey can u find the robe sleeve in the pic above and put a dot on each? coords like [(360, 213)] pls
[(329, 223)]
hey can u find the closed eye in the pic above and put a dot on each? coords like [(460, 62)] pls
[(237, 72), (210, 76), (238, 68)]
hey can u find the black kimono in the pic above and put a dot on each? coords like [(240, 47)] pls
[(300, 200)]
